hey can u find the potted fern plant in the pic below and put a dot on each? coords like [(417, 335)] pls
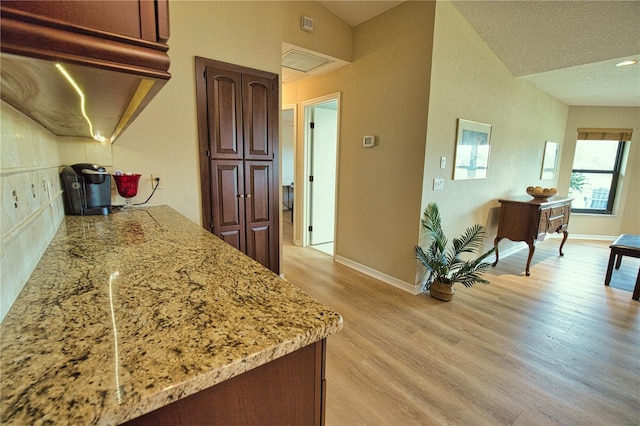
[(445, 265)]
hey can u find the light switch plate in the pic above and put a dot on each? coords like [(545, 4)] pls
[(438, 184), (443, 162)]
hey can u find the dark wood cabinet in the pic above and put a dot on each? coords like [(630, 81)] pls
[(238, 132), (529, 220), (287, 391), (116, 51), (140, 19)]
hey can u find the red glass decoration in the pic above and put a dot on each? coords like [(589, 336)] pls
[(127, 185)]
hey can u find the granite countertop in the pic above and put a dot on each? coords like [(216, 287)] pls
[(128, 312)]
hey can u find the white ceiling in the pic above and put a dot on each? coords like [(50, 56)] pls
[(566, 48)]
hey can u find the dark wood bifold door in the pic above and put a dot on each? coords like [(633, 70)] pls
[(238, 132)]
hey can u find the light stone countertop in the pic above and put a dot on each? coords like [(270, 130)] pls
[(128, 312)]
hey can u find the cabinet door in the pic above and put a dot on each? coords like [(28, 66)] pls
[(135, 19), (238, 118), (260, 109), (227, 178), (224, 113), (261, 224)]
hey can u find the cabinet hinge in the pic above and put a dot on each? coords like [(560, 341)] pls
[(209, 153), (310, 228), (312, 125), (310, 178)]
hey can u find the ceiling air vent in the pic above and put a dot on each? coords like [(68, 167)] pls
[(302, 61)]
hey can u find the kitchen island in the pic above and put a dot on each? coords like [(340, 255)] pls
[(143, 315)]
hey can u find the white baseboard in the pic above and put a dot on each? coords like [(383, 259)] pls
[(417, 288), (509, 251), (586, 237), (387, 279), (517, 247)]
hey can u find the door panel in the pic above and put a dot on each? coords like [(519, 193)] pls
[(227, 179), (123, 19), (259, 185), (258, 107), (232, 238), (324, 153), (259, 240), (261, 223), (224, 105)]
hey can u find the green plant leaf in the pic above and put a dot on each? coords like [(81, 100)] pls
[(447, 265)]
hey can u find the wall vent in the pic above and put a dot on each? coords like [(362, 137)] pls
[(302, 61), (306, 24)]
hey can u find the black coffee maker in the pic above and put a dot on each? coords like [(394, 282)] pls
[(87, 189)]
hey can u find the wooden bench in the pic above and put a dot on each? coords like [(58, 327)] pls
[(624, 245)]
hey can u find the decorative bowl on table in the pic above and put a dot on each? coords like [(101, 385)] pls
[(540, 192)]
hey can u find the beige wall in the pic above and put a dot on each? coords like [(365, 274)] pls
[(384, 92), (468, 81), (625, 218), (164, 139)]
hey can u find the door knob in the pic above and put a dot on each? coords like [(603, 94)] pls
[(248, 195)]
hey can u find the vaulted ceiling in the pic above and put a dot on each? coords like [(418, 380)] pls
[(568, 49)]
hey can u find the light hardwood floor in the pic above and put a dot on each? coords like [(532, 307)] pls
[(556, 347)]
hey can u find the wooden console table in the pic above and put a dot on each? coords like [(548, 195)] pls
[(530, 219)]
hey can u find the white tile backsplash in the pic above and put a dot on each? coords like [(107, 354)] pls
[(29, 166), (30, 160)]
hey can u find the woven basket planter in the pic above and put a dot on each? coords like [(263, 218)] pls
[(442, 291)]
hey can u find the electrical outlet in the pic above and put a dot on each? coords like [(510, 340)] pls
[(438, 184), (155, 176)]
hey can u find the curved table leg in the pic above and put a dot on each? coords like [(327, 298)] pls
[(495, 245), (564, 239), (532, 248)]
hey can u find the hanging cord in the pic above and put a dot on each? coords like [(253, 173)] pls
[(152, 192)]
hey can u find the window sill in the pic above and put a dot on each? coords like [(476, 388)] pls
[(593, 214)]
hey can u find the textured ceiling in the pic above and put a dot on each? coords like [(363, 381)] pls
[(566, 48)]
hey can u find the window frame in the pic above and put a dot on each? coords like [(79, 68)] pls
[(615, 175)]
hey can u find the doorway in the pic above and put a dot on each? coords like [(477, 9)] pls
[(287, 147), (321, 145)]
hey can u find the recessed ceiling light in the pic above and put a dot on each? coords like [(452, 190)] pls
[(626, 63)]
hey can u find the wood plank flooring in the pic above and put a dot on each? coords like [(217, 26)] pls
[(557, 347)]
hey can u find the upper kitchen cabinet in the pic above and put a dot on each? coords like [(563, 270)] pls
[(83, 68)]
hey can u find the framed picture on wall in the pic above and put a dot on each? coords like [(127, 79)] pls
[(549, 160), (472, 150)]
